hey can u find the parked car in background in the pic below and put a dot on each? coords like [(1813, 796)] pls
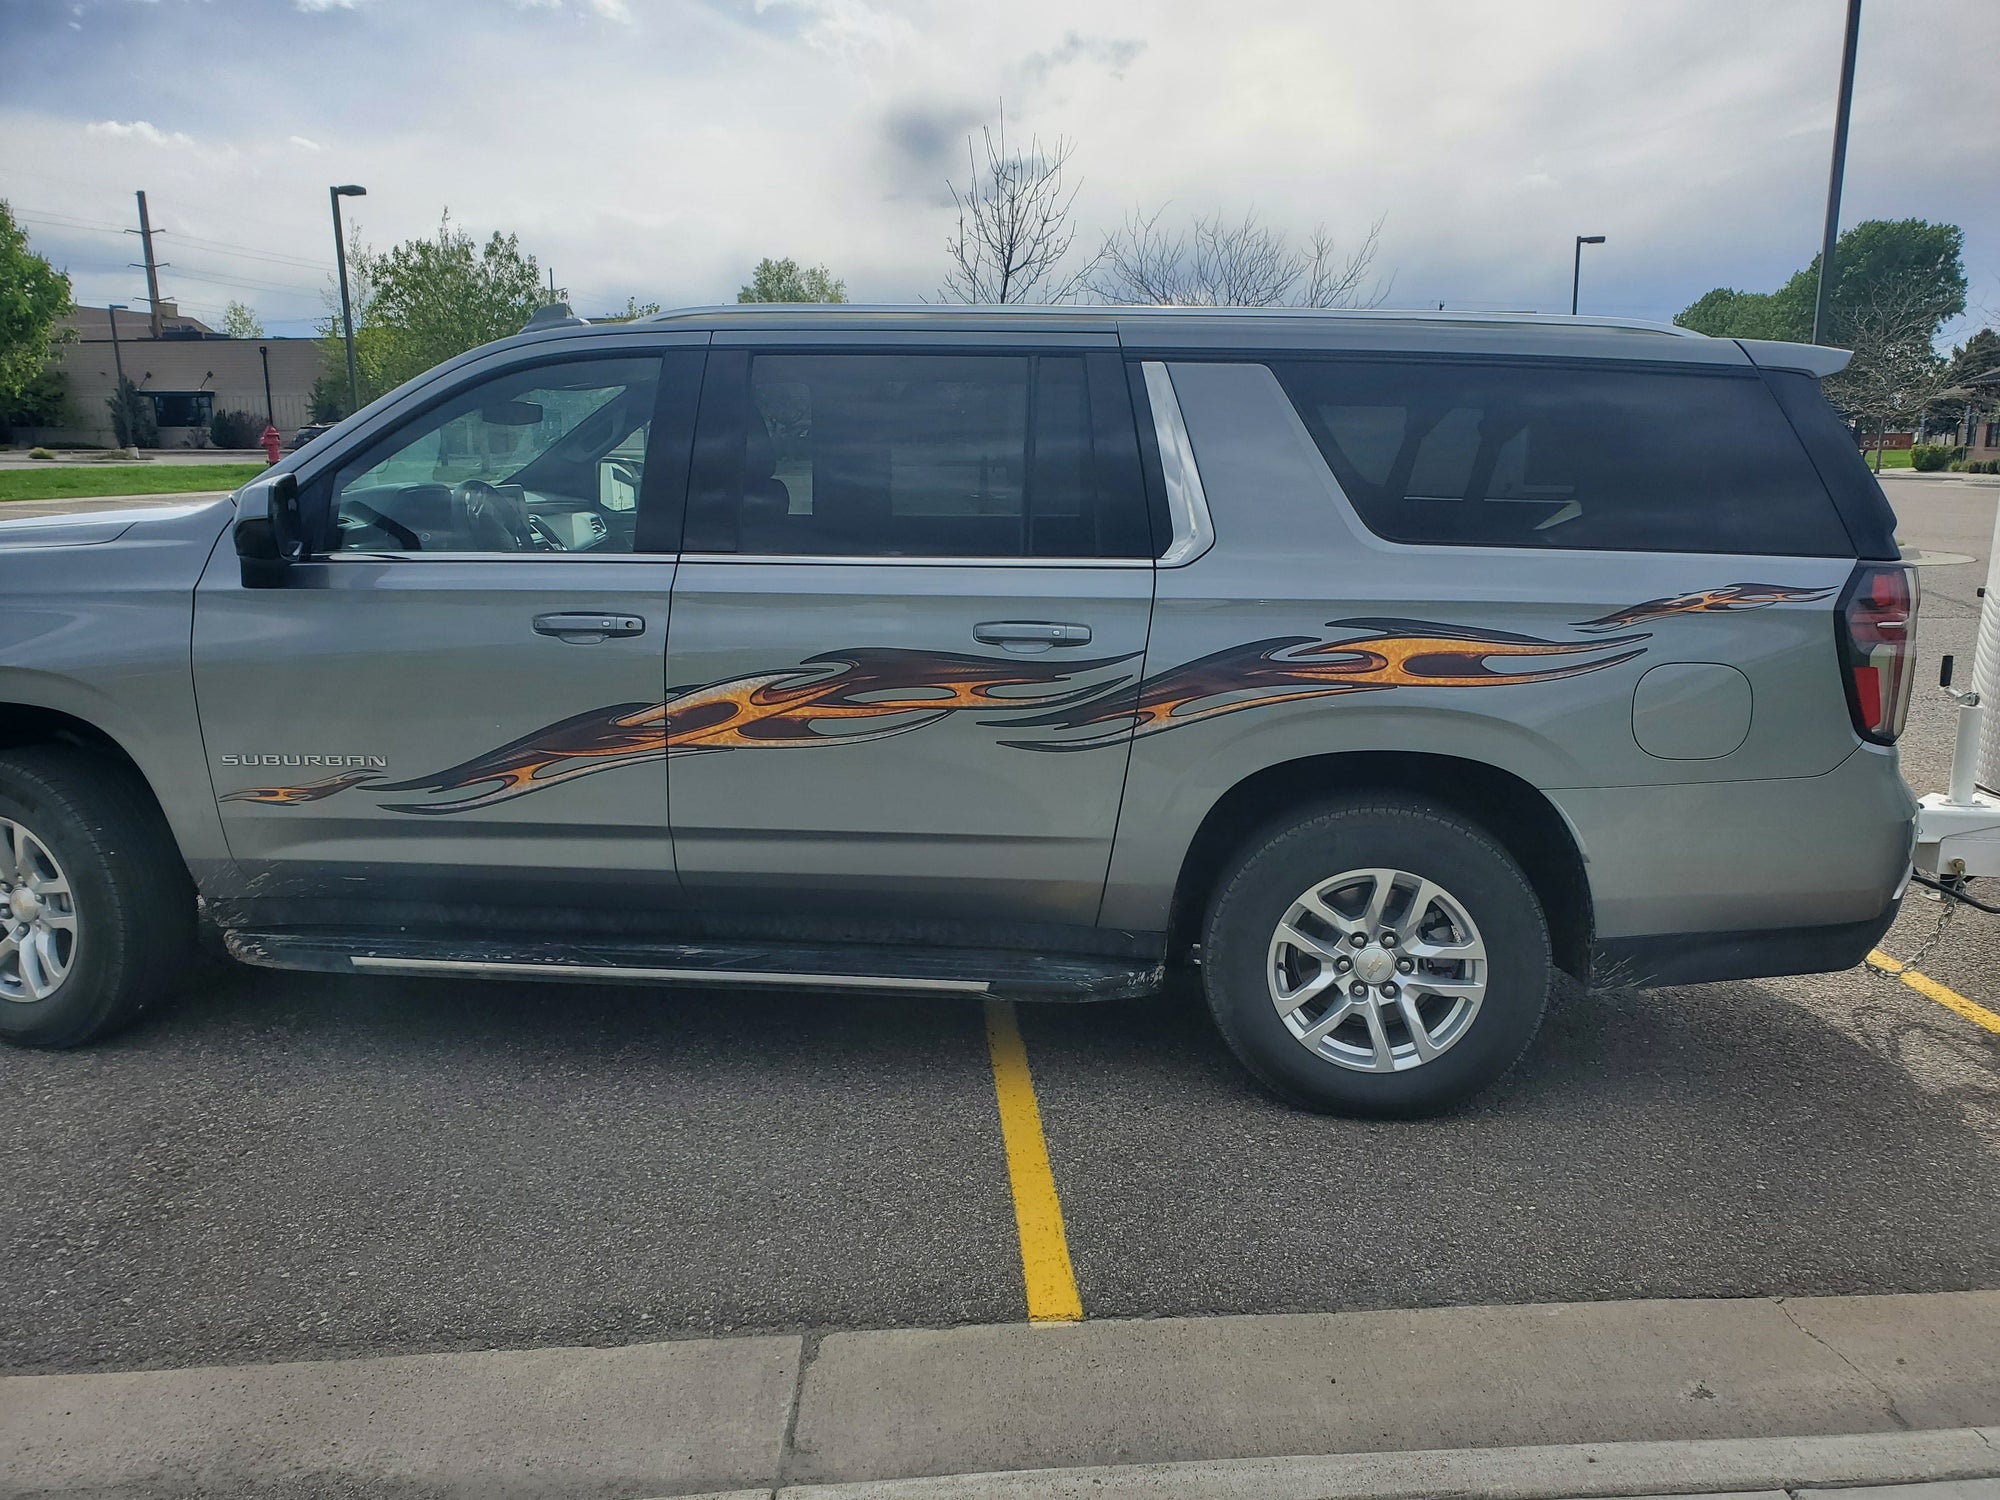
[(1378, 665)]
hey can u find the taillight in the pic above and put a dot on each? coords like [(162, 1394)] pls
[(1877, 633)]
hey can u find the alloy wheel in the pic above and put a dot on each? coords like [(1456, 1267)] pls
[(1377, 970), (38, 919)]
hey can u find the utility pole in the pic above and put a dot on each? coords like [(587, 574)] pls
[(145, 233), (1823, 306), (334, 195), (270, 411)]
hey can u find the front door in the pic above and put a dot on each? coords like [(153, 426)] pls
[(457, 699), (909, 622)]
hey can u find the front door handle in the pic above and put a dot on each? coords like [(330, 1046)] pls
[(585, 628), (1031, 633)]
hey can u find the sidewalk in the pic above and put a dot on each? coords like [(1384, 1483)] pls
[(1580, 1399)]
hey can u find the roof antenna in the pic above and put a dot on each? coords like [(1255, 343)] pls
[(555, 315)]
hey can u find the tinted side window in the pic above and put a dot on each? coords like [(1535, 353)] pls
[(906, 455), (1565, 456), (546, 459)]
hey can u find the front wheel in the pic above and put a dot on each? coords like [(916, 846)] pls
[(96, 911), (1376, 956)]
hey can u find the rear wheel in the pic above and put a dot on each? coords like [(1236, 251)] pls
[(96, 911), (1376, 956)]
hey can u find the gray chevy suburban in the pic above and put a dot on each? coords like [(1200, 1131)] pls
[(1379, 665)]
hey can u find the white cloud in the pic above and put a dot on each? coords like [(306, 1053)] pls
[(311, 6), (139, 130), (304, 144), (663, 160)]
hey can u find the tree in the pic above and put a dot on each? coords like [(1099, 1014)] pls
[(1896, 374), (634, 309), (144, 428), (34, 295), (428, 300), (1977, 356), (1216, 263), (44, 402), (1013, 231), (240, 322), (1910, 263), (787, 281)]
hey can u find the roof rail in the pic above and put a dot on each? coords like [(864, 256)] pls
[(1127, 309)]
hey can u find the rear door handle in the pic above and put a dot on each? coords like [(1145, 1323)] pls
[(584, 628), (1031, 633)]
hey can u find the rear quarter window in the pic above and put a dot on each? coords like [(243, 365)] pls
[(1566, 456)]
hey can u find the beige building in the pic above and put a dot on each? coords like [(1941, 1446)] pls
[(189, 374)]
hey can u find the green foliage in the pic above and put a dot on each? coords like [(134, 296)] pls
[(40, 453), (235, 429), (1909, 264), (33, 296), (786, 281), (145, 428), (328, 400), (43, 403), (634, 309), (423, 302), (1928, 458), (1729, 314), (241, 322)]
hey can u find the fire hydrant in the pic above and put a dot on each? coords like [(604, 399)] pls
[(273, 444)]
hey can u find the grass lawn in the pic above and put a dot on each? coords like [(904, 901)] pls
[(1892, 458), (77, 481)]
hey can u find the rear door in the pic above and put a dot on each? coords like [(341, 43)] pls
[(909, 619), (458, 697)]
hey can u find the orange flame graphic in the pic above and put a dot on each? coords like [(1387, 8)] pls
[(1707, 601), (312, 791), (768, 710), (1285, 669)]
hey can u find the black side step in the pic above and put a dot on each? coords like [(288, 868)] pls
[(994, 973)]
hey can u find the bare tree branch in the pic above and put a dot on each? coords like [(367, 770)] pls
[(1013, 229), (1219, 263), (1896, 374)]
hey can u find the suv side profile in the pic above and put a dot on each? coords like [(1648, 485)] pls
[(1381, 665)]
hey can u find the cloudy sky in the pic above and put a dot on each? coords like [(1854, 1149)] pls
[(657, 148)]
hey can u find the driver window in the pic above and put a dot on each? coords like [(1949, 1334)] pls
[(545, 459)]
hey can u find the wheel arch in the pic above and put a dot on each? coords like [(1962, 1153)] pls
[(1527, 824), (29, 724)]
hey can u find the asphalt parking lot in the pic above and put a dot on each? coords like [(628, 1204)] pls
[(298, 1166)]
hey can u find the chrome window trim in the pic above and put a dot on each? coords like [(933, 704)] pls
[(1187, 503), (792, 558), (516, 557), (1014, 561)]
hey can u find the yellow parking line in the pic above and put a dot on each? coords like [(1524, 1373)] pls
[(1045, 1267), (1930, 989)]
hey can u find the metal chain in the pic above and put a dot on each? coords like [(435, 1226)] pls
[(1937, 935)]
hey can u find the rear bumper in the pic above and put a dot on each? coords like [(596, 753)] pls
[(1710, 865), (1703, 957)]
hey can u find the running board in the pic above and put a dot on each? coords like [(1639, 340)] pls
[(991, 973)]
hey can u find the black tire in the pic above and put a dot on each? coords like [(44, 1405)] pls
[(1273, 869), (132, 899)]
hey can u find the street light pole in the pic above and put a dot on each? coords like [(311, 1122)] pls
[(270, 411), (111, 311), (334, 195), (1576, 273), (1823, 304)]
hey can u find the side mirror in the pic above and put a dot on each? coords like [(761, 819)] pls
[(270, 531)]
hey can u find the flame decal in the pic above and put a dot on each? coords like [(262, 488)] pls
[(1286, 669), (879, 692), (768, 710), (1735, 596), (291, 796)]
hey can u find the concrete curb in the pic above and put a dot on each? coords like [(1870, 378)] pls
[(1575, 1399), (1576, 1472)]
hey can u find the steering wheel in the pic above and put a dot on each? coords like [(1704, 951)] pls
[(493, 520)]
